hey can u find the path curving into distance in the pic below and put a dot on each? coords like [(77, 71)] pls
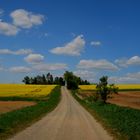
[(69, 121)]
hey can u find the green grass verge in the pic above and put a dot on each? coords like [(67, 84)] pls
[(122, 122), (14, 121)]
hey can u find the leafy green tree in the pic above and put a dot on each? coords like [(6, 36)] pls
[(39, 79), (34, 80), (103, 89), (44, 79), (71, 80), (82, 82), (49, 78), (26, 80), (56, 80), (61, 81)]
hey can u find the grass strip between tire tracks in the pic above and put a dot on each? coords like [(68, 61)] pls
[(122, 122), (17, 120)]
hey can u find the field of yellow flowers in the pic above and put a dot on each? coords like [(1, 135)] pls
[(120, 86), (16, 119), (20, 90)]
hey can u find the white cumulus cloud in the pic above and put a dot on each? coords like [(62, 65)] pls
[(127, 78), (50, 67), (124, 62), (26, 19), (73, 48), (135, 60), (85, 74), (134, 75), (8, 29), (121, 62), (16, 52), (95, 43), (34, 58), (20, 69), (97, 64)]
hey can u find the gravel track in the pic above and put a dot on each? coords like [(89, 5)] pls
[(69, 121)]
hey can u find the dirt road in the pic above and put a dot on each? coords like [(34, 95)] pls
[(69, 121)]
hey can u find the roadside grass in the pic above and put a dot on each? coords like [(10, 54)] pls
[(14, 121), (122, 122)]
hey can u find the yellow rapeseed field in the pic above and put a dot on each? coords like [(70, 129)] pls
[(20, 90), (87, 87), (128, 86), (120, 86)]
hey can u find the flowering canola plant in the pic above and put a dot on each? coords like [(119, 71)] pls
[(20, 90), (87, 87), (120, 86), (128, 86)]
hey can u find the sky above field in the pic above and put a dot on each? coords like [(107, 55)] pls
[(92, 38)]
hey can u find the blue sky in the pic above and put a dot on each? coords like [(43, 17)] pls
[(92, 38)]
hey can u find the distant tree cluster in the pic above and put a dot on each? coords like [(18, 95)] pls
[(73, 81), (69, 79), (47, 79)]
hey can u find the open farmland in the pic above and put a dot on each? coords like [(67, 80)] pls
[(16, 92), (20, 90), (120, 86), (7, 106), (128, 87), (87, 87), (127, 99), (127, 95), (121, 116), (22, 105)]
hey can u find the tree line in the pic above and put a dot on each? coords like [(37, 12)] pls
[(69, 78), (43, 79)]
